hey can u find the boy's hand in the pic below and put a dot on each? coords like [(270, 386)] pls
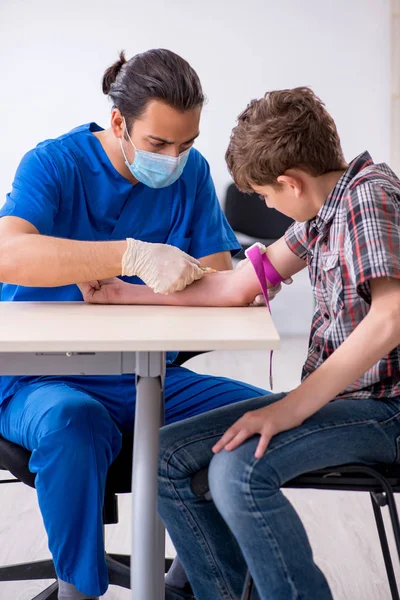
[(272, 291), (106, 291), (266, 422)]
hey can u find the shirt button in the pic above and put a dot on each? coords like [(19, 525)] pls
[(319, 277), (326, 316), (318, 348)]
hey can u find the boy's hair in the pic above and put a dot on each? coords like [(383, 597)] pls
[(286, 129)]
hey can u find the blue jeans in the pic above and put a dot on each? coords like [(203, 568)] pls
[(74, 433), (250, 521)]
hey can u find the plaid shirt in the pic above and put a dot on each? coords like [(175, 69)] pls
[(354, 238)]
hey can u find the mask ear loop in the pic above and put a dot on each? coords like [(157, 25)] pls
[(122, 147), (127, 133), (123, 152)]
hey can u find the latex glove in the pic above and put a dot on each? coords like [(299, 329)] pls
[(165, 269), (272, 291)]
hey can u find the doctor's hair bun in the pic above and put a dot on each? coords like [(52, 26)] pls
[(111, 73), (157, 74)]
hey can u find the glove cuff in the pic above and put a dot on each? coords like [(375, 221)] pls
[(128, 265)]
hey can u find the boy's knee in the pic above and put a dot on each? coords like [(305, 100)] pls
[(171, 453), (180, 457), (225, 480), (235, 478)]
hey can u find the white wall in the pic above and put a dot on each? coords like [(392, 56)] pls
[(395, 86), (53, 54)]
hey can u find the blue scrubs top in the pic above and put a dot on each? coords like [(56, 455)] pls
[(68, 188)]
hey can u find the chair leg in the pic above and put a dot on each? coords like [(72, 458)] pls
[(125, 559), (50, 593), (248, 587), (394, 518), (118, 573), (43, 569), (385, 548)]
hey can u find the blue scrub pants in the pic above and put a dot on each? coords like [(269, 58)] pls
[(74, 433)]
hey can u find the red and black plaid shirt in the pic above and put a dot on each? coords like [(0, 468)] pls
[(354, 238)]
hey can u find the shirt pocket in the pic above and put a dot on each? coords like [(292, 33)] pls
[(332, 282)]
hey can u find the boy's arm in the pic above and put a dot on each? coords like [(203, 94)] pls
[(376, 336), (286, 262), (226, 288)]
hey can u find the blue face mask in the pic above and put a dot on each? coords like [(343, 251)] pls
[(155, 170)]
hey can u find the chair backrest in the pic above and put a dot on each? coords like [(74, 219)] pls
[(248, 214)]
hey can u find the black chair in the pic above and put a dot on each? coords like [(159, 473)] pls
[(251, 220), (382, 481), (15, 459)]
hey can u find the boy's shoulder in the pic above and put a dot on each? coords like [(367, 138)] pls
[(374, 176)]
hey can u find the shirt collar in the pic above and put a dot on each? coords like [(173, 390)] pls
[(328, 210)]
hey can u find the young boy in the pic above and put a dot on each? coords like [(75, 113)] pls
[(347, 408)]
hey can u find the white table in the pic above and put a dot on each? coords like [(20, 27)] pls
[(81, 339)]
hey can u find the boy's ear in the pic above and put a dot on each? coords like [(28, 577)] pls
[(295, 183)]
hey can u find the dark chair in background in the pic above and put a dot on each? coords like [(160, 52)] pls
[(382, 481), (251, 220)]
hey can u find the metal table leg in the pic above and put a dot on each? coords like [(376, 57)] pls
[(147, 565)]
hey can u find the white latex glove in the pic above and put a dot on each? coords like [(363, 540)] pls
[(272, 291), (165, 269)]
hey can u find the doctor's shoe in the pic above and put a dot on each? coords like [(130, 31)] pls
[(175, 593)]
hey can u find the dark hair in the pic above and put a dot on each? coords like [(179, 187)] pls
[(286, 129), (153, 75)]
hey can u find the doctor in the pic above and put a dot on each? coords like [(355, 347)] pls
[(134, 200)]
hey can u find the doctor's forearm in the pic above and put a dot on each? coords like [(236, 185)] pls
[(40, 261)]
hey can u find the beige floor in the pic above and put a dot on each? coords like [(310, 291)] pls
[(340, 525)]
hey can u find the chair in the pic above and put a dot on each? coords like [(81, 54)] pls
[(382, 481), (251, 220), (15, 459)]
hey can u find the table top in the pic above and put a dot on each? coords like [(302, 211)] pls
[(80, 327)]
